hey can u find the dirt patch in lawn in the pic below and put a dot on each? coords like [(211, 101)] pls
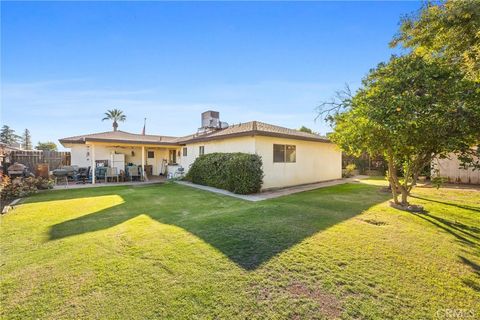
[(374, 222), (329, 304)]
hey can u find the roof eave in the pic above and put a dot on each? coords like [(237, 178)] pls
[(85, 140), (256, 133)]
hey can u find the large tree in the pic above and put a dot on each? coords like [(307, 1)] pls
[(46, 146), (410, 111), (8, 136), (446, 30), (27, 140), (115, 115)]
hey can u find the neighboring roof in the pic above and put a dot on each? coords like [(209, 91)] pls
[(121, 137), (254, 128), (243, 129)]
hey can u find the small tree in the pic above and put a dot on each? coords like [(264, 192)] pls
[(27, 140), (410, 111), (46, 146), (8, 136), (115, 115)]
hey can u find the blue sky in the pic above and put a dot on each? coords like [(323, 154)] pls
[(64, 63)]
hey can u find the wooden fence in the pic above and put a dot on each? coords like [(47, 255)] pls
[(32, 158)]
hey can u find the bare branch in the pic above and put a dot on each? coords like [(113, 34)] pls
[(341, 101)]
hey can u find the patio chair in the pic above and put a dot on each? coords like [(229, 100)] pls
[(133, 173), (83, 174), (111, 173), (100, 173)]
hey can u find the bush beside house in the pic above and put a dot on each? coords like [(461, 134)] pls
[(237, 172)]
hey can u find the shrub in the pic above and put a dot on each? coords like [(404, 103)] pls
[(348, 172), (237, 172)]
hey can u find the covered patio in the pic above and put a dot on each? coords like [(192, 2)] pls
[(123, 157)]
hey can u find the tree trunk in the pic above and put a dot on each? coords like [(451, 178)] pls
[(391, 178), (115, 125), (404, 197)]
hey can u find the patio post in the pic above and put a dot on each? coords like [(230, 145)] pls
[(143, 163), (92, 157)]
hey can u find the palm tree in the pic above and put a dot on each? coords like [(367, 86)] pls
[(115, 115)]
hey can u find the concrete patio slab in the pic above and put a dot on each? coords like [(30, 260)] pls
[(73, 185), (274, 193)]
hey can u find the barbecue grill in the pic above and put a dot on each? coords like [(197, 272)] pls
[(17, 170), (60, 174)]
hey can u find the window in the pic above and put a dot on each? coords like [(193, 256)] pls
[(201, 150), (185, 151), (172, 156), (150, 154), (290, 153), (284, 153), (278, 153)]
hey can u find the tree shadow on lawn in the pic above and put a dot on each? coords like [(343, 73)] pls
[(460, 206), (248, 233), (460, 231), (475, 285)]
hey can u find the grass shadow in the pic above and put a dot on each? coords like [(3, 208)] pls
[(475, 269), (248, 233), (460, 206), (451, 227)]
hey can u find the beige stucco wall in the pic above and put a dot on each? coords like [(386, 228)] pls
[(240, 144), (80, 154), (450, 168), (315, 161)]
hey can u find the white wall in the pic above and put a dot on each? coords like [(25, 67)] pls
[(315, 161), (81, 158), (240, 144)]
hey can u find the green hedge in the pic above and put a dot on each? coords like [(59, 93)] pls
[(237, 172)]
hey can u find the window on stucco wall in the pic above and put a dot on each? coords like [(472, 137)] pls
[(201, 150), (284, 153)]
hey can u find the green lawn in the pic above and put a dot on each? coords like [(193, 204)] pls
[(169, 251)]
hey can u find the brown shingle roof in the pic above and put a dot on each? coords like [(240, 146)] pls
[(121, 137), (254, 128), (243, 129)]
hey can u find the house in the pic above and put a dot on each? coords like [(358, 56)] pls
[(290, 157)]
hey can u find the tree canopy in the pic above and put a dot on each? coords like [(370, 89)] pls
[(115, 115), (46, 146), (27, 140), (447, 30), (305, 129), (409, 110), (8, 136)]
